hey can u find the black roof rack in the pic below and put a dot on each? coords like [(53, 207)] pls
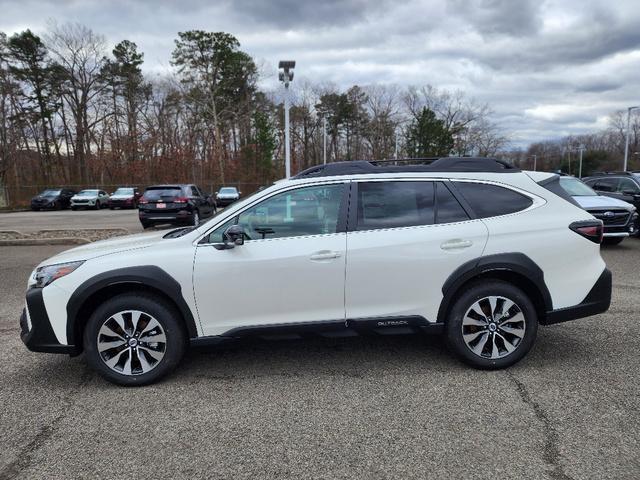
[(596, 174), (437, 164)]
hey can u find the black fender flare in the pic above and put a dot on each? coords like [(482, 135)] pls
[(517, 263), (147, 275)]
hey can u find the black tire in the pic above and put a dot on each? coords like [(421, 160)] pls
[(146, 225), (74, 208), (112, 208), (612, 240), (34, 209), (152, 305), (473, 293)]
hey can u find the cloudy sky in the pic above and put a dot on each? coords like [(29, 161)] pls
[(547, 68)]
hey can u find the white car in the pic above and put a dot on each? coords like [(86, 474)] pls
[(620, 218), (91, 198), (471, 248), (226, 196)]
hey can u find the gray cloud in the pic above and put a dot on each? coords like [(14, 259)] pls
[(547, 68), (494, 17)]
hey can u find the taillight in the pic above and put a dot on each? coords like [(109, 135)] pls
[(590, 229), (180, 200)]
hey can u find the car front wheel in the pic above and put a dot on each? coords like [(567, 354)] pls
[(492, 325), (134, 339)]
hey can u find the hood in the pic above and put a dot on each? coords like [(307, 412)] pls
[(106, 247), (601, 201), (84, 197), (120, 197)]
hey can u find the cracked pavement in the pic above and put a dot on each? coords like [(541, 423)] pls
[(394, 407)]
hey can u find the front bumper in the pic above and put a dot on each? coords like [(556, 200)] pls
[(597, 301), (83, 203), (43, 205), (35, 331), (225, 202), (128, 203)]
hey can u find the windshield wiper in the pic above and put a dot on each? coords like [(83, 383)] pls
[(179, 232)]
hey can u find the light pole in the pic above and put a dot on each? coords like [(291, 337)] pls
[(324, 140), (535, 162), (286, 76), (581, 148), (396, 153), (626, 141)]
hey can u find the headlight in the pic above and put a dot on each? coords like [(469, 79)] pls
[(49, 273)]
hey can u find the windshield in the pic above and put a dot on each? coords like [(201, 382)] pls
[(88, 193), (231, 190), (50, 193), (576, 188), (124, 191), (158, 193), (237, 205)]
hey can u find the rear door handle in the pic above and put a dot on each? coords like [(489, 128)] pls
[(456, 244), (324, 255)]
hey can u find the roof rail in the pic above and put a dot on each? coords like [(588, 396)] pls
[(595, 174), (439, 164)]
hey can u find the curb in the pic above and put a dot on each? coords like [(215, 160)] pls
[(32, 238), (17, 242)]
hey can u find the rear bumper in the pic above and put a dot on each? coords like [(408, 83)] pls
[(597, 301), (165, 217), (39, 336)]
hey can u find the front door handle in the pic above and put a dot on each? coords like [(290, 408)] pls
[(456, 244), (324, 255)]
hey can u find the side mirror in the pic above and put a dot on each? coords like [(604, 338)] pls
[(232, 237)]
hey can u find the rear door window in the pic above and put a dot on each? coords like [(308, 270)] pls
[(395, 204), (488, 200), (448, 209)]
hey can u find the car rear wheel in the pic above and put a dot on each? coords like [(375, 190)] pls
[(492, 325), (134, 339)]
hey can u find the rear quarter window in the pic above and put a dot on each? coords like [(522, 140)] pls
[(488, 200)]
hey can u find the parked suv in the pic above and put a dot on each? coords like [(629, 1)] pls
[(472, 248), (621, 185), (174, 204), (52, 198), (620, 218), (91, 198), (226, 196), (124, 197)]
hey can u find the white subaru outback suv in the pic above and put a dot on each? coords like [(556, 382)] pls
[(469, 247)]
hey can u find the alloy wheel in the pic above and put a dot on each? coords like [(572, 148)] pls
[(493, 327), (131, 342)]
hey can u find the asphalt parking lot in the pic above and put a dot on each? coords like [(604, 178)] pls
[(395, 407)]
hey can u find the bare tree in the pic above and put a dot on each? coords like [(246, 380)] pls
[(81, 54)]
